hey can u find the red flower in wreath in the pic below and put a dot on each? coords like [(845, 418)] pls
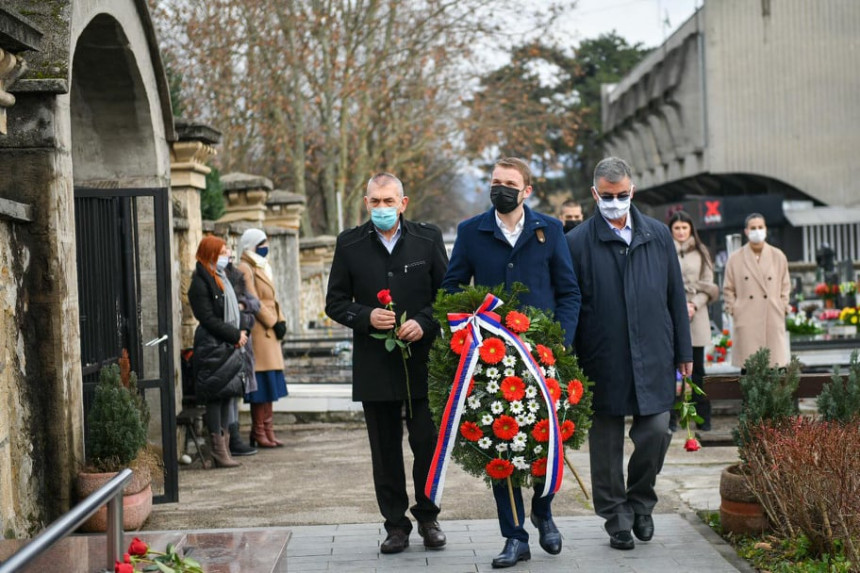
[(137, 547), (545, 355), (492, 350), (574, 391), (471, 431), (513, 388), (539, 467), (541, 431), (567, 429), (517, 322), (505, 428), (554, 389), (458, 341), (499, 468), (384, 296)]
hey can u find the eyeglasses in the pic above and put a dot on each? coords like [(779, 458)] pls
[(623, 196)]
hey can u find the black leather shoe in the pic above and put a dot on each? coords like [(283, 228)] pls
[(550, 538), (514, 552), (433, 536), (396, 541), (643, 527), (621, 540)]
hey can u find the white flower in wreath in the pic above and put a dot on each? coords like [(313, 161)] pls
[(492, 387), (566, 405), (515, 447), (530, 419), (517, 407), (509, 372), (533, 405), (520, 462), (484, 443), (528, 346), (542, 371), (531, 392), (479, 368), (501, 448), (537, 449), (497, 407), (493, 372), (474, 402), (521, 420), (509, 361), (487, 420), (551, 372)]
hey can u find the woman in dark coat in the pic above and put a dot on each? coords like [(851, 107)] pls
[(217, 361)]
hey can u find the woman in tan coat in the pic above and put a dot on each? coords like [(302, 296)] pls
[(266, 335), (698, 273), (756, 291)]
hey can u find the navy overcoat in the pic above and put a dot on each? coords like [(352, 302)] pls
[(633, 325), (482, 253)]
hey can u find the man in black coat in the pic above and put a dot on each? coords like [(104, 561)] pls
[(633, 333), (390, 253)]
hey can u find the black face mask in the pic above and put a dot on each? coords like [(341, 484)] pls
[(505, 199), (570, 225)]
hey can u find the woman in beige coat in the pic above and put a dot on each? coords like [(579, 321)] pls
[(266, 335), (698, 273), (756, 291)]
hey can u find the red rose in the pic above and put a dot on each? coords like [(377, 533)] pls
[(458, 341), (513, 388), (554, 389), (545, 355), (499, 468), (691, 445), (539, 467), (709, 357), (567, 430), (541, 431), (138, 547), (123, 568), (384, 296), (517, 321), (492, 350), (725, 332), (574, 391), (505, 428), (471, 431)]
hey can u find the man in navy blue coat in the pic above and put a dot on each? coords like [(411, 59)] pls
[(507, 244), (634, 331)]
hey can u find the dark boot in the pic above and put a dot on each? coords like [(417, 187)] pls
[(270, 425), (258, 427), (220, 451), (237, 446)]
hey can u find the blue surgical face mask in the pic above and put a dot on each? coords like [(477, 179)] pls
[(384, 217), (222, 262), (263, 251)]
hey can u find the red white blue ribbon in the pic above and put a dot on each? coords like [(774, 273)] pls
[(484, 317)]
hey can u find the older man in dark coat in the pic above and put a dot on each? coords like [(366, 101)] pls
[(633, 333), (409, 260)]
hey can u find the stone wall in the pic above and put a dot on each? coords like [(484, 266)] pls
[(315, 261)]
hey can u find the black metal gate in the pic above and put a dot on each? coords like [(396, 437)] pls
[(124, 300)]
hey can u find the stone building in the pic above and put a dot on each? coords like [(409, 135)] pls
[(749, 106)]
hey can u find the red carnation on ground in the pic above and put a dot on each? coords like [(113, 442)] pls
[(574, 391), (541, 431), (513, 388), (384, 296), (499, 468), (458, 341), (492, 350), (138, 547), (471, 431), (545, 355), (692, 445), (554, 389), (505, 428), (567, 429), (517, 321), (539, 467)]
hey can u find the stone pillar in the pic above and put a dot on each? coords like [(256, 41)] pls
[(245, 197), (316, 256), (284, 209), (17, 35), (188, 172)]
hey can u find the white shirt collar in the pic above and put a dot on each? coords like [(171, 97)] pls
[(513, 235)]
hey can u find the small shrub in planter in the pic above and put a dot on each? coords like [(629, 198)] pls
[(840, 399), (116, 431)]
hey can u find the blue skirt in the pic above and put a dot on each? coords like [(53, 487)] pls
[(271, 385)]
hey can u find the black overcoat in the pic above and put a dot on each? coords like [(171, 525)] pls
[(633, 326), (413, 273)]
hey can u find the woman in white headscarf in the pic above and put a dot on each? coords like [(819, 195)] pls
[(266, 336)]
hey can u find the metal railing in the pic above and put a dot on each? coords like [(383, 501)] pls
[(110, 494)]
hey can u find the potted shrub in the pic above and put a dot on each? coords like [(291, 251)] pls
[(768, 396), (116, 439)]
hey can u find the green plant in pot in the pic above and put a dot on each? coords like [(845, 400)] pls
[(116, 439), (768, 398)]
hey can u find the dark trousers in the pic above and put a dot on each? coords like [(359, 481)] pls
[(541, 506), (703, 405), (385, 430), (613, 501), (217, 415)]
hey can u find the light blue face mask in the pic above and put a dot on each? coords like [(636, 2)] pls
[(384, 217), (222, 262)]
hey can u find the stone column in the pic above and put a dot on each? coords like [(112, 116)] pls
[(245, 197), (16, 35), (316, 255), (188, 172)]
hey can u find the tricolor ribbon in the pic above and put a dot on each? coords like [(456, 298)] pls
[(485, 318)]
